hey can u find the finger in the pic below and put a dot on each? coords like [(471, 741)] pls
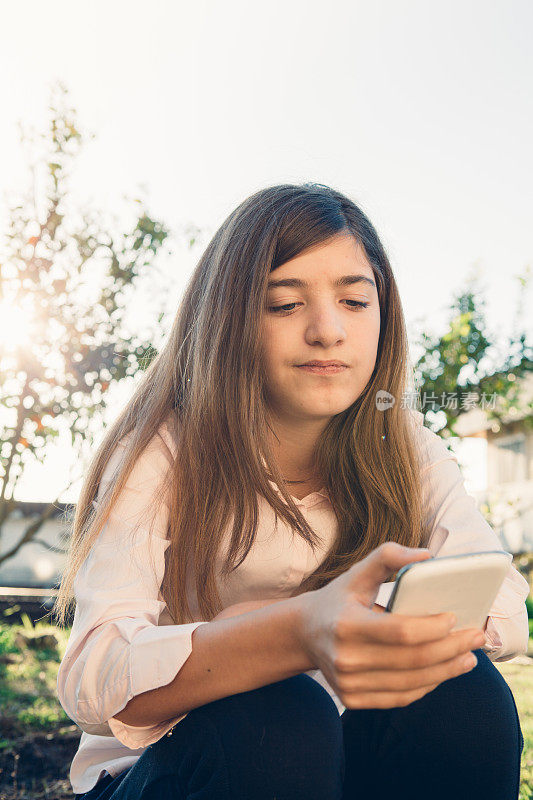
[(377, 567), (406, 680), (400, 657), (398, 628)]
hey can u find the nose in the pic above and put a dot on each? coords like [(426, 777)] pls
[(324, 326)]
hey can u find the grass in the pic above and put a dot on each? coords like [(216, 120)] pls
[(520, 680), (38, 740), (28, 674)]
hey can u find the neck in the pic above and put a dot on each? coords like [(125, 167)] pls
[(294, 448)]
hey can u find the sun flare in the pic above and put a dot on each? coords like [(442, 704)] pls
[(15, 326)]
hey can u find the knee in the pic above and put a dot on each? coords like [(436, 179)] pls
[(476, 709), (297, 708), (481, 695), (288, 733)]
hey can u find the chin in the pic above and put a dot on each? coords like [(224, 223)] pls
[(321, 410)]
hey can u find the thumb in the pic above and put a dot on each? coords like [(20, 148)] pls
[(379, 565)]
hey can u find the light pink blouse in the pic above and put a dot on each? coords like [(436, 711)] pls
[(123, 641)]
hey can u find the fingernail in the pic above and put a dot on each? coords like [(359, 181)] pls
[(470, 661)]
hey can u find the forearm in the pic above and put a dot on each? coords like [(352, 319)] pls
[(250, 605), (229, 656)]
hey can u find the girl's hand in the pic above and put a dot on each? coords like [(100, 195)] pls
[(382, 661)]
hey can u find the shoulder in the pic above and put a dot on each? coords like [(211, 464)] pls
[(152, 463)]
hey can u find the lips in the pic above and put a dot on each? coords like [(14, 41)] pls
[(330, 369), (323, 364)]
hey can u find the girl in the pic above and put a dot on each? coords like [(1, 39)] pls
[(236, 530)]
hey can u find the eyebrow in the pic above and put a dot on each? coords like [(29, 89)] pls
[(297, 283)]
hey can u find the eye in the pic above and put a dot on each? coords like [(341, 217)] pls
[(287, 308), (281, 309)]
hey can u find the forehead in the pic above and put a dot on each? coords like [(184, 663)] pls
[(340, 261)]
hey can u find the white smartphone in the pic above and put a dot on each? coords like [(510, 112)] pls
[(465, 584)]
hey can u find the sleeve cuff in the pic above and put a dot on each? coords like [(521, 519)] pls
[(494, 641), (149, 672), (138, 738), (512, 633)]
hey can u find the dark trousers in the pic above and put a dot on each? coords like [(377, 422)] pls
[(286, 741)]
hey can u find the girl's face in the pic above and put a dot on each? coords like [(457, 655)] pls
[(321, 321)]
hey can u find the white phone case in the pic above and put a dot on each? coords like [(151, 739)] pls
[(466, 584)]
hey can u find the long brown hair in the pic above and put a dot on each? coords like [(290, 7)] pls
[(207, 383)]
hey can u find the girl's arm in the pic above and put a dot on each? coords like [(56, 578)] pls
[(250, 605)]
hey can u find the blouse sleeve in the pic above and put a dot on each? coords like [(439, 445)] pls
[(457, 526), (116, 650)]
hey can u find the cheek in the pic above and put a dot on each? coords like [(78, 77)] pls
[(364, 335)]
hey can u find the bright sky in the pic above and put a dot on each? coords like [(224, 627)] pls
[(421, 113)]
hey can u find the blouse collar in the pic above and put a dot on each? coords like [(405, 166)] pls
[(309, 500)]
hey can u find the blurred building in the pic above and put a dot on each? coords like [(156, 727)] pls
[(507, 500), (38, 563)]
